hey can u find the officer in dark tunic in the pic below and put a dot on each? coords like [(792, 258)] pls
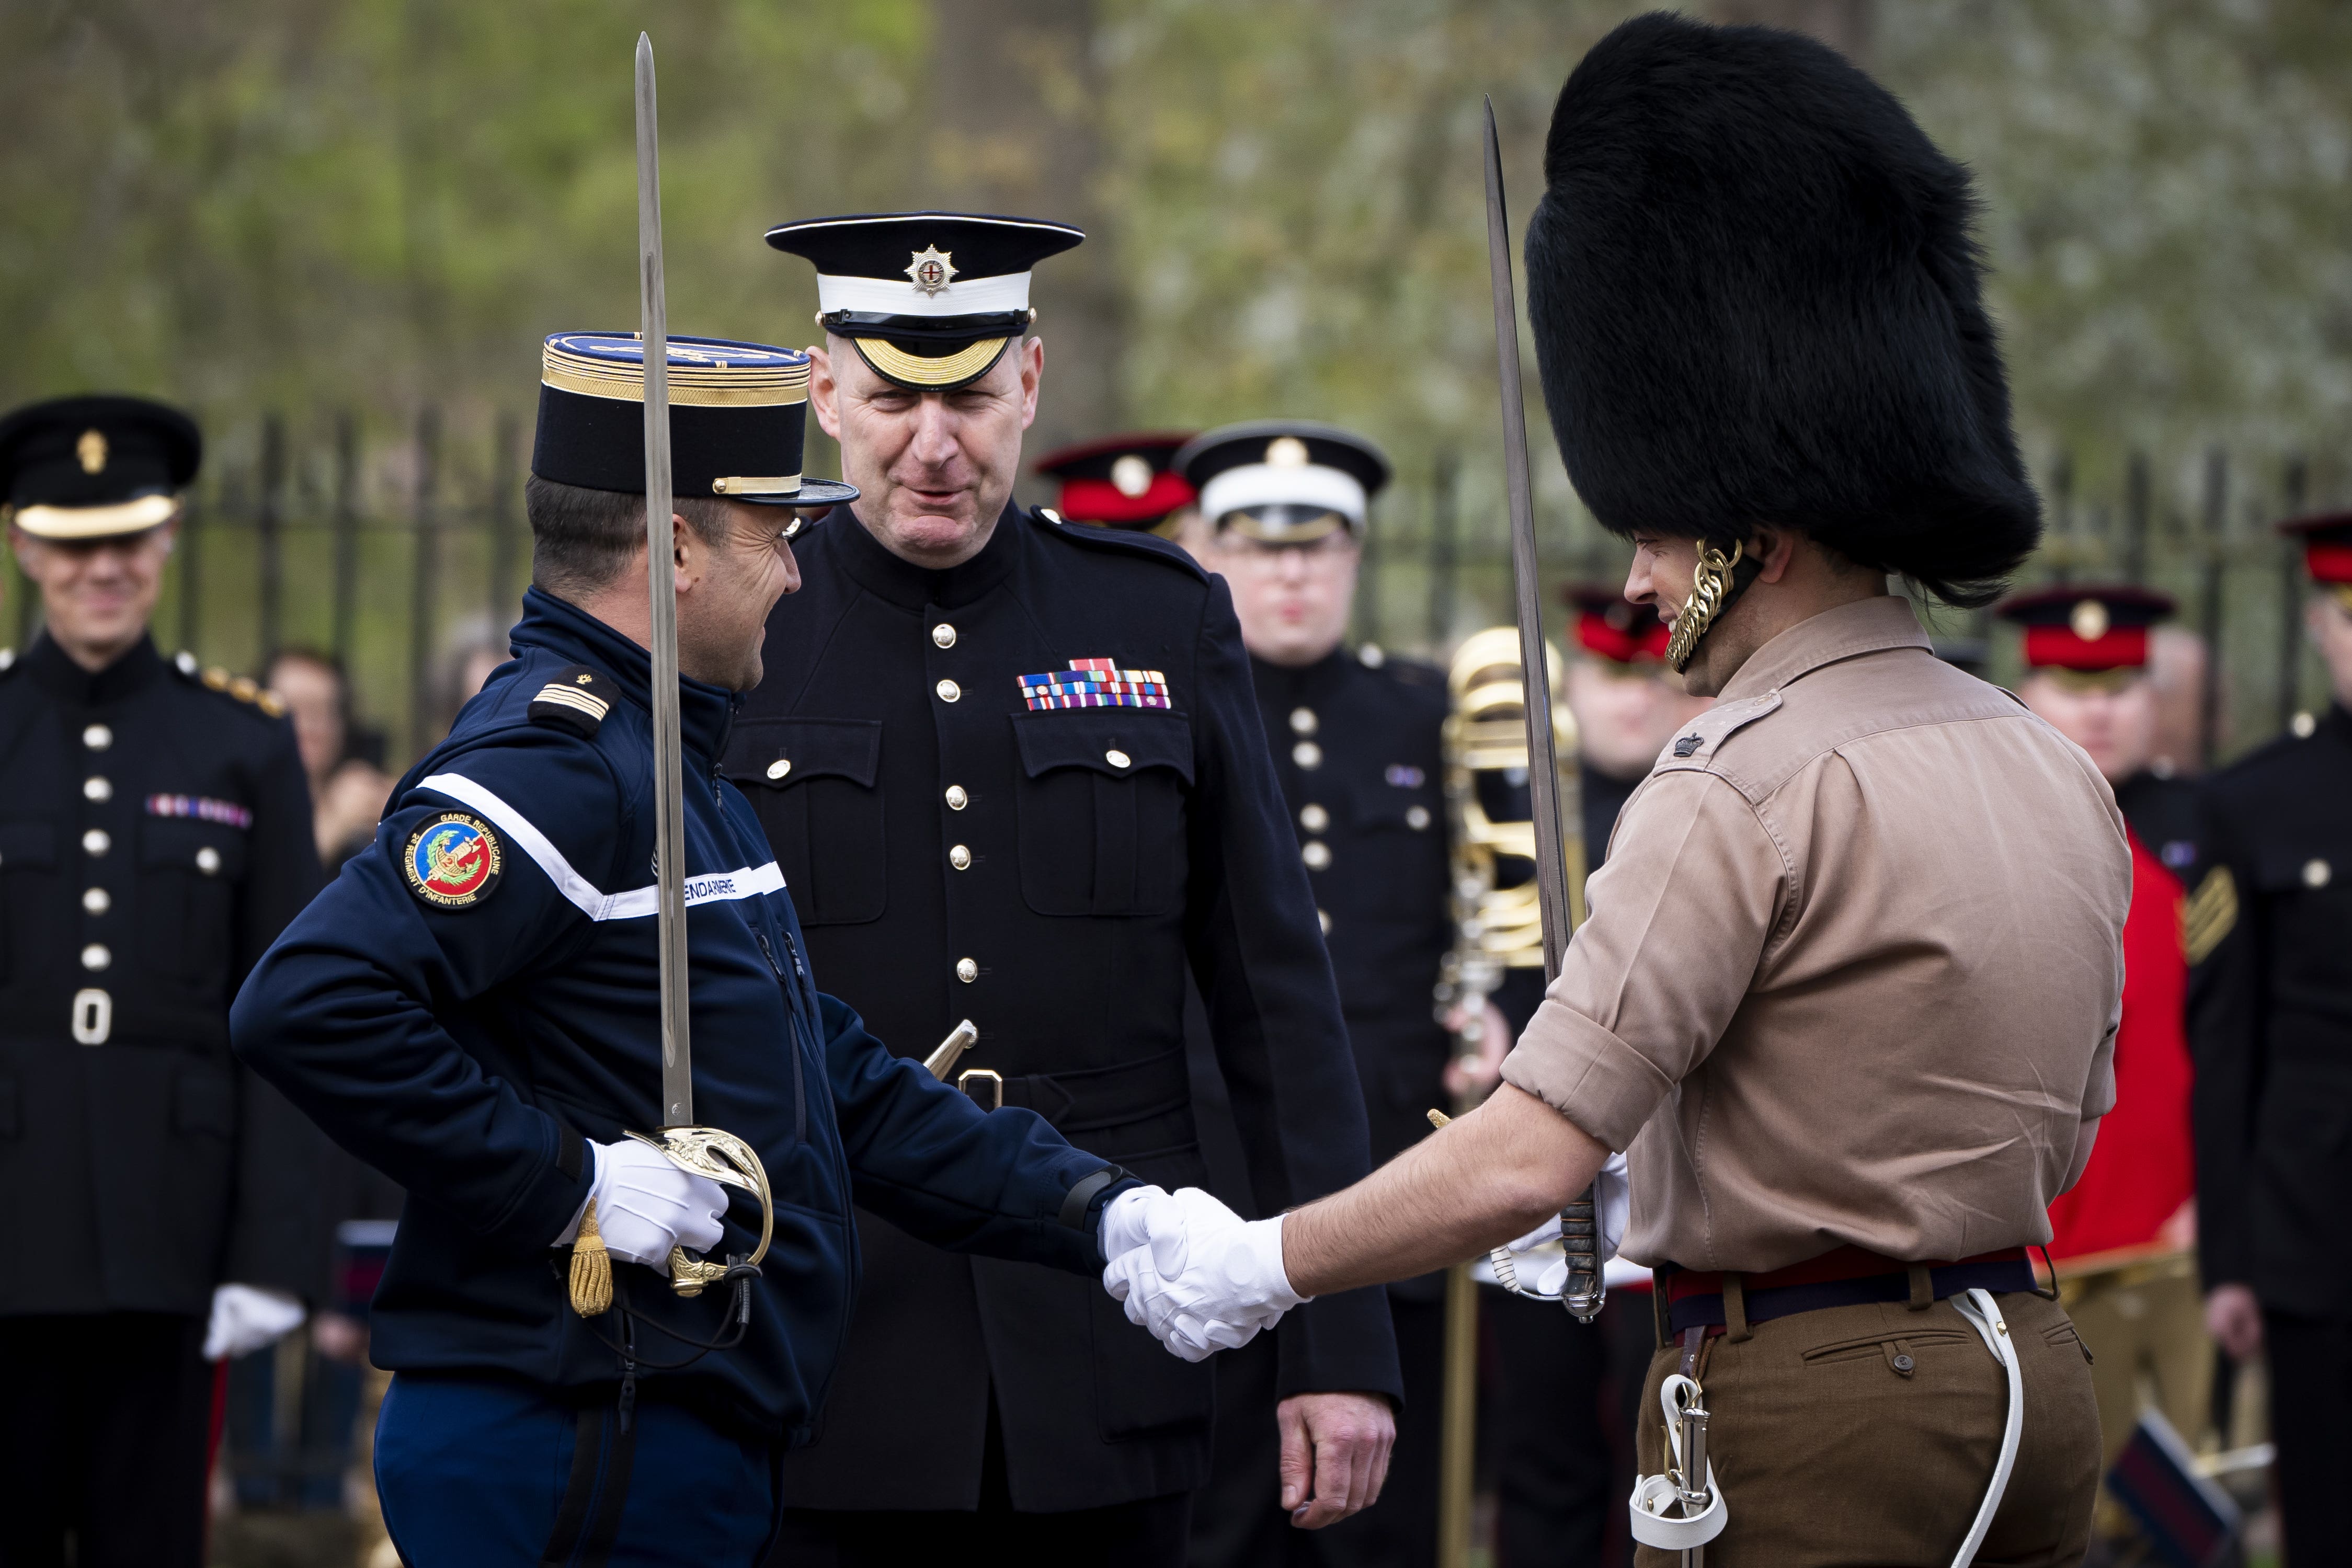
[(154, 837), (1013, 769), (1355, 740), (2272, 1030)]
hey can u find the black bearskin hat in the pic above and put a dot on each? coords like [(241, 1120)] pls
[(1755, 295)]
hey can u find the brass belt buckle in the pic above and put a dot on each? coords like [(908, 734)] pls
[(994, 1079)]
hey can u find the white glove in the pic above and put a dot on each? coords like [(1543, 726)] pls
[(1612, 1202), (1193, 1271), (247, 1317), (645, 1205)]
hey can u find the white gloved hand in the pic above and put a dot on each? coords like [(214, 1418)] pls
[(1611, 1201), (645, 1205), (1194, 1272), (247, 1317)]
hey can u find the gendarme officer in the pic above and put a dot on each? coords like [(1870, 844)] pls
[(1015, 772), (154, 837), (473, 1008)]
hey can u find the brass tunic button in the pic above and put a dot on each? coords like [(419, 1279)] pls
[(960, 858), (208, 861), (1316, 854), (779, 767), (95, 843), (1312, 818), (2317, 873), (1417, 818), (1116, 757), (943, 635), (2305, 726), (967, 971), (98, 738), (97, 788), (96, 901), (1302, 720), (1308, 755), (957, 799), (95, 957), (949, 691)]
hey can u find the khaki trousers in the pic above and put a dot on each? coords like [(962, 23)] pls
[(1865, 1436)]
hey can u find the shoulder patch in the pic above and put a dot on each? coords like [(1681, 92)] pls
[(1696, 741), (1128, 542), (452, 861), (576, 699)]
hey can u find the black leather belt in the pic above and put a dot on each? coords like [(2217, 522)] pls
[(1090, 1098)]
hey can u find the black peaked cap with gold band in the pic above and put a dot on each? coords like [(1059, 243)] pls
[(931, 299), (96, 466), (735, 419), (1283, 481)]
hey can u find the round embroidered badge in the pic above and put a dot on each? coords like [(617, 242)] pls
[(452, 861)]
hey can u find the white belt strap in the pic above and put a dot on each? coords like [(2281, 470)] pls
[(1681, 1530), (1983, 1314)]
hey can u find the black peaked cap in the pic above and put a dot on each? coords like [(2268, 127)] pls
[(144, 448), (1756, 299)]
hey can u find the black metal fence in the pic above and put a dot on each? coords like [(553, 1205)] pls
[(400, 554)]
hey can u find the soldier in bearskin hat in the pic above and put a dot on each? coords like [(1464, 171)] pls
[(1849, 985)]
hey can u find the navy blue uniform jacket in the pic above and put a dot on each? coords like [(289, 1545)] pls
[(451, 1047)]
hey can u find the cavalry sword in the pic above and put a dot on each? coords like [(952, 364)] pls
[(700, 1151), (1580, 1230)]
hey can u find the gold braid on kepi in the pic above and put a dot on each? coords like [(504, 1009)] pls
[(1713, 587)]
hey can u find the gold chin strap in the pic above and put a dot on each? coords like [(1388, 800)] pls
[(1710, 586)]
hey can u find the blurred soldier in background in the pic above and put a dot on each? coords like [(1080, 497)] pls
[(1012, 771), (1565, 1393), (2272, 1030), (1128, 482), (159, 1205), (2086, 654), (1356, 745)]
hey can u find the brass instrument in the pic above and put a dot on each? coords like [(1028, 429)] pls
[(1497, 926)]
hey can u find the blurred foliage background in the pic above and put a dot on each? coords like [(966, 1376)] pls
[(363, 216)]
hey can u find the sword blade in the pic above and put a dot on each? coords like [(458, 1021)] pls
[(1580, 1230), (1543, 761), (661, 582)]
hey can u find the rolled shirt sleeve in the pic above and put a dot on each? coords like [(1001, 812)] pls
[(1694, 889)]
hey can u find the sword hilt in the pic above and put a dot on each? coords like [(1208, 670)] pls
[(1580, 1236), (722, 1157)]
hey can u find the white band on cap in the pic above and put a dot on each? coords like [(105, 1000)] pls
[(889, 297), (1265, 485)]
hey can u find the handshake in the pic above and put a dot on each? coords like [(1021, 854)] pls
[(1198, 1276)]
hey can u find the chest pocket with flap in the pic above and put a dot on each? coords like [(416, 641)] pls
[(188, 874), (1102, 810), (816, 786), (28, 846)]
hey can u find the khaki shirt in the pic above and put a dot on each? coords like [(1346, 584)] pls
[(1854, 966)]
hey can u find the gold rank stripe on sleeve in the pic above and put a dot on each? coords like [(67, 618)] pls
[(2208, 914), (594, 706)]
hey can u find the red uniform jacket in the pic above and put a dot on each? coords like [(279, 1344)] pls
[(2141, 1169)]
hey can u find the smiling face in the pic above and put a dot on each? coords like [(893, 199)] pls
[(97, 596), (933, 470), (726, 587)]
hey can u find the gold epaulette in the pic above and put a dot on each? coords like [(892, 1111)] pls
[(245, 689)]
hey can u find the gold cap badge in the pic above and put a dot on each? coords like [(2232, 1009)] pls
[(91, 452), (1132, 475), (931, 269), (2089, 621), (1286, 452)]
